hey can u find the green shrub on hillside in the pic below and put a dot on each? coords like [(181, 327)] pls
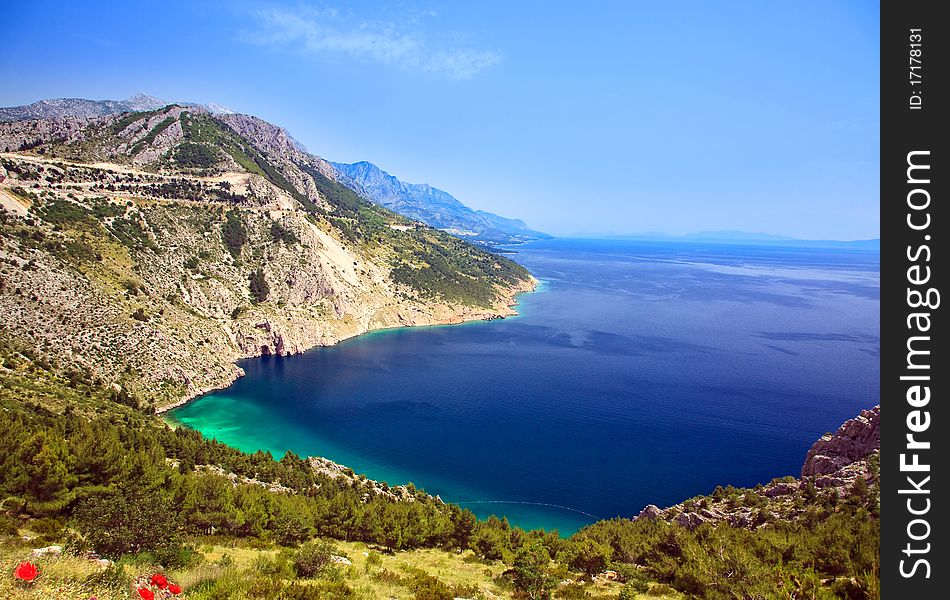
[(196, 156), (532, 573), (259, 287), (312, 558), (279, 233), (233, 233), (149, 137)]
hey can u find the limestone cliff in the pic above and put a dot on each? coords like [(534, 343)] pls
[(853, 441), (152, 250)]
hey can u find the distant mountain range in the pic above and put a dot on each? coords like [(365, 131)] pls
[(432, 206), (80, 107), (420, 202), (731, 236)]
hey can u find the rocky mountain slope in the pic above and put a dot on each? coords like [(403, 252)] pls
[(80, 107), (838, 466), (432, 206), (150, 250), (419, 202)]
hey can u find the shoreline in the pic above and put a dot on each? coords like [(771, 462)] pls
[(505, 309)]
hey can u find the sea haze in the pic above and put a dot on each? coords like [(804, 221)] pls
[(638, 373)]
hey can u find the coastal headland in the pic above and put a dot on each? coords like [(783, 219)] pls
[(153, 250)]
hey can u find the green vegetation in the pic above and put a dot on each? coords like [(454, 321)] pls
[(233, 233), (444, 267), (184, 188), (195, 156), (840, 544), (313, 558), (149, 137), (68, 214), (532, 573), (132, 233), (259, 287), (205, 129), (63, 212), (128, 118), (279, 233), (34, 378), (129, 487), (85, 464), (432, 263), (54, 462)]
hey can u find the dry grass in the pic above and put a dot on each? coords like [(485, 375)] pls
[(61, 577), (71, 578)]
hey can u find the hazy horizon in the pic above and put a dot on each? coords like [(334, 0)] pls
[(616, 119), (709, 235)]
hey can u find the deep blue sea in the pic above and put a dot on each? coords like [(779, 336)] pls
[(638, 373)]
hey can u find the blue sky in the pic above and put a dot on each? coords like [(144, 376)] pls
[(580, 118)]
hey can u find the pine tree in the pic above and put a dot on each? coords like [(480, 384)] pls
[(48, 466), (532, 575), (259, 288)]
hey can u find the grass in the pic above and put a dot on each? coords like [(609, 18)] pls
[(234, 571), (450, 567), (61, 577)]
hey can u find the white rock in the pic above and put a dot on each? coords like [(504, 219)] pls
[(48, 551)]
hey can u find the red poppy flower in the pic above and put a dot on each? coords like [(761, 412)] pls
[(26, 571), (159, 580), (146, 594), (175, 589)]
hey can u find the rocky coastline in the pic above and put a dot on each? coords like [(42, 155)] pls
[(130, 282), (505, 307), (841, 463)]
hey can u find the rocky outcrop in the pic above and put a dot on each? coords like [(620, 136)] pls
[(855, 439), (834, 465), (271, 139), (371, 487), (24, 134)]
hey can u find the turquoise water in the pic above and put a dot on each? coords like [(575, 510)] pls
[(638, 373)]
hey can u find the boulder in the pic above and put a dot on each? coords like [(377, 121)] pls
[(780, 489), (48, 551), (691, 520)]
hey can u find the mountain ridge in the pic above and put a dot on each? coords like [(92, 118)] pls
[(419, 202), (82, 107), (432, 206)]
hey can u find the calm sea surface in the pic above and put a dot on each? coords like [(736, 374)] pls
[(639, 372)]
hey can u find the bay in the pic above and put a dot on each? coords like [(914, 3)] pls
[(638, 372)]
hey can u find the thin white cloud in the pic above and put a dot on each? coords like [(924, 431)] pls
[(402, 45)]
